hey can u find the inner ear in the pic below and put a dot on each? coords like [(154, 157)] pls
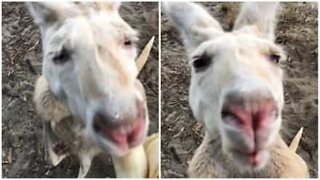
[(260, 17), (110, 6), (46, 14), (194, 23), (42, 12)]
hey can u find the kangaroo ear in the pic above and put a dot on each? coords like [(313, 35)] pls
[(260, 15), (195, 24), (42, 13), (45, 13), (112, 5)]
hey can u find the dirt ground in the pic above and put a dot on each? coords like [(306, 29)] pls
[(22, 140), (297, 32)]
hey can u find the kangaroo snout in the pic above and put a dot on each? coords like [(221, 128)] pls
[(124, 130), (250, 118), (251, 111)]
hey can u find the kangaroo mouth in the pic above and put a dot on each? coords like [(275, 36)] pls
[(124, 134), (252, 160)]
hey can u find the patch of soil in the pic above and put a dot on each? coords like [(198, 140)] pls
[(22, 140), (297, 31)]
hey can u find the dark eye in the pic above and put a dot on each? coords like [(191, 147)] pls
[(274, 58), (130, 41), (63, 56), (127, 42), (202, 62)]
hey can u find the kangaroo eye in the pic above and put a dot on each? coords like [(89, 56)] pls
[(127, 42), (274, 58), (201, 63), (130, 41), (63, 56)]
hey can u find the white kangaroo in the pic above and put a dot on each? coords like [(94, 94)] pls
[(89, 95), (236, 91)]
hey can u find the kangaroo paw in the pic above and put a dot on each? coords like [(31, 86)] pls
[(85, 157), (56, 148)]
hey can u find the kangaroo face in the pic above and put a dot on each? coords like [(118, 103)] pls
[(89, 62), (236, 86)]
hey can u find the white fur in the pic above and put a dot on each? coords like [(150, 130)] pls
[(101, 73), (240, 63)]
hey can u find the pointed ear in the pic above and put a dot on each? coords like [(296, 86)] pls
[(112, 5), (195, 24), (259, 15), (42, 13), (49, 12)]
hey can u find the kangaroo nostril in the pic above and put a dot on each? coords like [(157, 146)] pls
[(97, 122), (104, 120), (265, 113), (235, 114), (100, 121), (247, 112), (127, 129)]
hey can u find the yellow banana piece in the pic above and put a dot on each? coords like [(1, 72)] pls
[(151, 146)]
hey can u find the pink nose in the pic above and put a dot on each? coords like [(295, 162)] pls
[(251, 113)]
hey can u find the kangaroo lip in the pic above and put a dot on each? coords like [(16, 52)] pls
[(128, 135), (123, 134)]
